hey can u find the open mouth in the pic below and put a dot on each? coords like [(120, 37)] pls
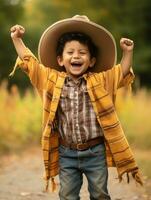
[(76, 64)]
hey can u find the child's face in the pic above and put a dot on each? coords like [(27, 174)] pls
[(76, 59)]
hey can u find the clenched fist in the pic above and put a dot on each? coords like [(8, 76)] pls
[(126, 44), (17, 31)]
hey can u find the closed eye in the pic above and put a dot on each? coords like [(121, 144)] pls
[(70, 52), (83, 52)]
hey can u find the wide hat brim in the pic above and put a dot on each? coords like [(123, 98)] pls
[(101, 37)]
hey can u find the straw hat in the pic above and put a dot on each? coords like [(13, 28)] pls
[(101, 37)]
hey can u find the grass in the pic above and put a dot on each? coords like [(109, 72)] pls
[(20, 118), (144, 161), (134, 112)]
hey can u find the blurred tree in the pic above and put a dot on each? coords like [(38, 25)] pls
[(11, 12), (132, 19), (124, 18)]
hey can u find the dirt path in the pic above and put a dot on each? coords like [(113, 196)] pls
[(20, 179)]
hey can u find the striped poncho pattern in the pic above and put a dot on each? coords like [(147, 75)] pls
[(102, 88)]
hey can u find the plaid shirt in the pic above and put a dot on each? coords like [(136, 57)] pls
[(77, 120), (49, 84)]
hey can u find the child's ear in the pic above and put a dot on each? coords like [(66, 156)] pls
[(60, 61), (92, 62)]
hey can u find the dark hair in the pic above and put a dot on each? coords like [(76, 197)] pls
[(78, 36)]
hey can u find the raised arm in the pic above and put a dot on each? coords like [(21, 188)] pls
[(127, 46), (27, 61), (17, 32)]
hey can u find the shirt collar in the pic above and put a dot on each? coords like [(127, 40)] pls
[(70, 82)]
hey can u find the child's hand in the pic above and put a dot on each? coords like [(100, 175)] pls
[(126, 44), (17, 31)]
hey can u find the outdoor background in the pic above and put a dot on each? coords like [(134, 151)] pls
[(20, 106)]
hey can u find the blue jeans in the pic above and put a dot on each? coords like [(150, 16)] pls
[(91, 162)]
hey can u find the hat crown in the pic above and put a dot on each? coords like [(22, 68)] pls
[(81, 17)]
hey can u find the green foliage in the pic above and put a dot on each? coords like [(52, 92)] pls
[(124, 18), (11, 12)]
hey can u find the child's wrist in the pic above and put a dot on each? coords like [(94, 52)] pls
[(14, 38), (128, 51)]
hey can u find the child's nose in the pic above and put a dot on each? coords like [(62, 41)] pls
[(76, 55)]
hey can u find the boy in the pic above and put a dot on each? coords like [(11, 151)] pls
[(81, 131)]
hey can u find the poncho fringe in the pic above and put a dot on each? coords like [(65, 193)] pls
[(98, 98)]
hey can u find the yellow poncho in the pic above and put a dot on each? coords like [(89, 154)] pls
[(102, 88)]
